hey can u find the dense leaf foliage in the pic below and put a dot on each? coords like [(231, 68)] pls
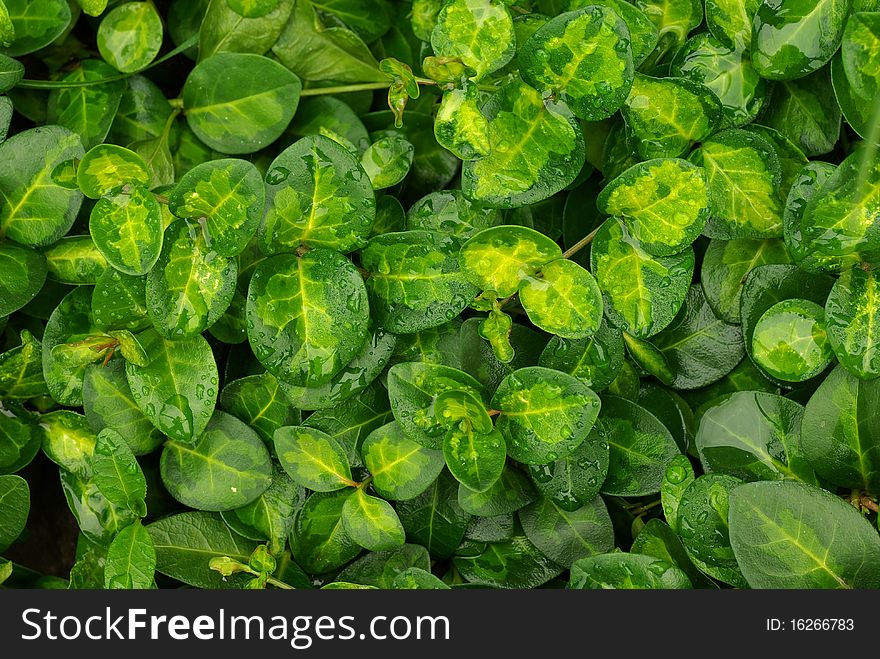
[(440, 293)]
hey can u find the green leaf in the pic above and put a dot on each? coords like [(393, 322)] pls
[(415, 282), (15, 503), (563, 299), (640, 446), (68, 441), (699, 347), (574, 481), (186, 542), (536, 150), (319, 541), (331, 117), (70, 322), (312, 458), (130, 36), (479, 32), (643, 34), (852, 320), (799, 109), (620, 571), (370, 19), (674, 19), (190, 286), (317, 195), (108, 403), (371, 522), (413, 388), (678, 477), (11, 72), (545, 414), (584, 58), (726, 264), (401, 468), (509, 493), (387, 161), (450, 212), (177, 390), (270, 516), (259, 402), (475, 458), (500, 258), (21, 370), (143, 112), (460, 126), (417, 579), (642, 293), (791, 535), (22, 274), (307, 337), (727, 72), (35, 210), (566, 536), (131, 559), (663, 203), (93, 7), (228, 466), (730, 21), (240, 103), (657, 539), (667, 115), (227, 29), (789, 341), (36, 24), (317, 50), (117, 473), (839, 433), (793, 38), (379, 569), (648, 358), (75, 260), (127, 229), (754, 436), (434, 518), (98, 519), (86, 110), (226, 197), (514, 563), (743, 172)]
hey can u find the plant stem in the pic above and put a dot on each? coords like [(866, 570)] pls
[(344, 89), (645, 508), (579, 245), (279, 584)]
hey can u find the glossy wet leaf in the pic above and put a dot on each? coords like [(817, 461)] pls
[(107, 167), (23, 272), (566, 536), (21, 369), (99, 520), (667, 115), (791, 535), (190, 285), (108, 403), (312, 458), (319, 195), (87, 110), (789, 341), (641, 447), (514, 563), (11, 71), (387, 161), (450, 212), (119, 301), (35, 24), (413, 388), (131, 559), (226, 468), (563, 299), (730, 21), (186, 542), (476, 458), (35, 210), (239, 103), (379, 569), (319, 542), (574, 481), (415, 281), (536, 149), (839, 433), (177, 390), (677, 478), (401, 468), (15, 503), (754, 436), (698, 347), (626, 572), (793, 38), (799, 109), (663, 203), (852, 318), (371, 522), (306, 315), (460, 127), (479, 32), (545, 414), (127, 229), (226, 197), (130, 36), (593, 80), (434, 518), (224, 29), (117, 473), (259, 401), (642, 293), (743, 172), (510, 492)]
